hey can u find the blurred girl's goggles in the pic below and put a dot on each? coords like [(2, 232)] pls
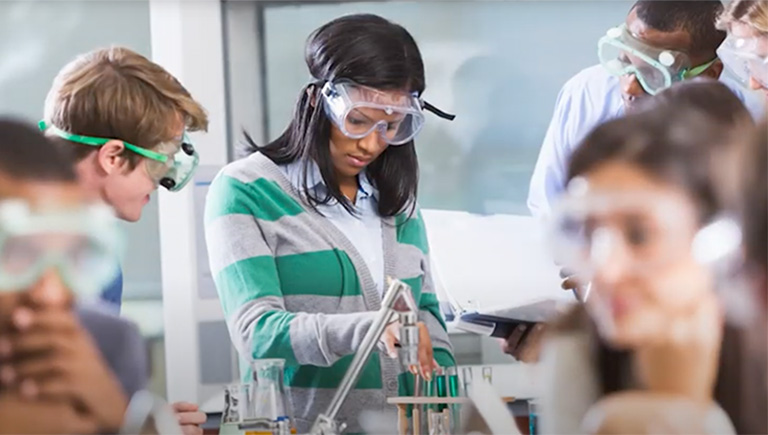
[(587, 232), (745, 58), (656, 69), (82, 244), (640, 229), (358, 110), (171, 165)]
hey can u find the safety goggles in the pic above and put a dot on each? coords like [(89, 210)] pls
[(746, 58), (172, 165), (641, 230), (358, 110), (656, 69), (81, 244)]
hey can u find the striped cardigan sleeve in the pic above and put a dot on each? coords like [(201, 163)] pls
[(246, 277), (413, 232)]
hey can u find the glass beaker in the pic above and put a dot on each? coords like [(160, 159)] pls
[(236, 406), (439, 423), (270, 400)]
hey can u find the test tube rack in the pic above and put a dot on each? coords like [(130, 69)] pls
[(412, 426)]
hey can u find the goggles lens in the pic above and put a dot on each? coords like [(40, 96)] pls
[(359, 110), (82, 245), (656, 69), (745, 58), (641, 230), (181, 161)]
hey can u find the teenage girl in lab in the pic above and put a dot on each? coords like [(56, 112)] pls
[(745, 50), (302, 233), (640, 192)]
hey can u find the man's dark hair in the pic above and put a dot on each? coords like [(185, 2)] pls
[(27, 155), (695, 17)]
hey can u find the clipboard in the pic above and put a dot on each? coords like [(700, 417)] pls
[(501, 323)]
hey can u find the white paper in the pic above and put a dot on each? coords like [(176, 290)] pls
[(489, 264)]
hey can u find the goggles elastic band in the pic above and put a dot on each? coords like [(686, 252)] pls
[(172, 177), (342, 96), (436, 111), (98, 141), (698, 70)]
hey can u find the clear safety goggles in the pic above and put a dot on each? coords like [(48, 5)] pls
[(172, 165), (655, 69), (640, 230), (358, 110), (746, 58), (82, 244)]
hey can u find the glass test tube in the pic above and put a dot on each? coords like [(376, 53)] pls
[(488, 374)]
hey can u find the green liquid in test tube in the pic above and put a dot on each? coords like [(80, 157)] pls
[(453, 382), (454, 391), (442, 387)]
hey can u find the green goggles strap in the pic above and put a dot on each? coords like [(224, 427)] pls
[(693, 72), (99, 141)]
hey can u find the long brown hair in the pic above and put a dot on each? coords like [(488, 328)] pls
[(673, 140)]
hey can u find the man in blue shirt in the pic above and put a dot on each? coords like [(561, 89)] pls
[(655, 31), (661, 42)]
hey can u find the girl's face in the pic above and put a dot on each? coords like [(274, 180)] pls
[(759, 71), (643, 271), (351, 156), (365, 121), (49, 291)]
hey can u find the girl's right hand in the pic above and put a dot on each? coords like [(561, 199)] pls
[(391, 338)]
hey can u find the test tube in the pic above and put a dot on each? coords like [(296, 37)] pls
[(428, 391), (442, 387), (453, 382), (453, 391), (416, 417), (466, 373), (533, 417), (488, 374)]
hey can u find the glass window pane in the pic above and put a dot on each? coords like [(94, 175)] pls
[(497, 65)]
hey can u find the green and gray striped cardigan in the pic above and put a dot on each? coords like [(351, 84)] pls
[(292, 286)]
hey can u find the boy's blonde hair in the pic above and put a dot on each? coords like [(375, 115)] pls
[(117, 93)]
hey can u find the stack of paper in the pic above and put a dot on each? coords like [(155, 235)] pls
[(494, 269)]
